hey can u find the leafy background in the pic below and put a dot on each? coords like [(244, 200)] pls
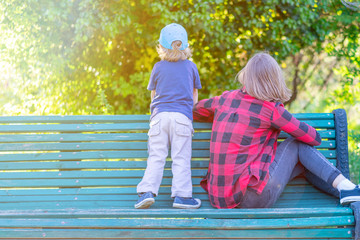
[(95, 57)]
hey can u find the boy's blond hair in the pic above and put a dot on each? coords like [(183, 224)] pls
[(175, 54), (263, 79)]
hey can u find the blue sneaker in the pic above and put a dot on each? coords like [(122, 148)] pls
[(187, 203), (145, 200), (349, 196)]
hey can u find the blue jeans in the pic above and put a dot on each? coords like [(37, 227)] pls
[(292, 159)]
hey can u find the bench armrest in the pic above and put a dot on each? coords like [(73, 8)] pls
[(341, 131)]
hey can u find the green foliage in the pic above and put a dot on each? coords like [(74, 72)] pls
[(95, 57), (354, 155), (92, 56)]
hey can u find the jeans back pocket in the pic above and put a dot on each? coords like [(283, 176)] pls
[(154, 128), (183, 128)]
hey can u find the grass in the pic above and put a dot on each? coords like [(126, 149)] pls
[(354, 155)]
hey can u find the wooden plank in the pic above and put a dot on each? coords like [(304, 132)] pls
[(75, 119), (292, 188), (73, 165), (34, 128), (167, 233), (133, 197), (82, 137), (117, 118), (83, 181), (90, 137), (316, 123), (79, 146), (100, 165), (211, 213), (106, 155), (163, 196), (188, 238), (123, 173), (129, 204), (87, 174), (229, 224), (85, 155), (114, 127), (77, 182), (325, 134)]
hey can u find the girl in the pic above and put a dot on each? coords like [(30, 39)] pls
[(246, 168), (173, 84)]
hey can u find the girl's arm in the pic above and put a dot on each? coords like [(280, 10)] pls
[(195, 96), (285, 121)]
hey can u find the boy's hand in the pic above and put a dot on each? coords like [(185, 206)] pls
[(195, 96), (152, 94)]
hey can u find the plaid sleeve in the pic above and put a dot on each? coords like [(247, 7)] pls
[(285, 121), (204, 110)]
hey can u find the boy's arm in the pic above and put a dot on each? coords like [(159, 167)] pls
[(195, 96), (152, 94)]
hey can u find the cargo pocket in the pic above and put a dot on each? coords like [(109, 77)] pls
[(154, 128), (183, 128)]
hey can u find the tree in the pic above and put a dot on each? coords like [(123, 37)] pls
[(92, 56)]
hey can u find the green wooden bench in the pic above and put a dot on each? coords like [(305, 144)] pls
[(75, 177)]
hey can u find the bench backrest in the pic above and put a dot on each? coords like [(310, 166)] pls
[(73, 161)]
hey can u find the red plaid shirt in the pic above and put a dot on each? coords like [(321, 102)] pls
[(243, 143)]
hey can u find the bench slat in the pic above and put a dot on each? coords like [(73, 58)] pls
[(117, 118), (229, 224), (115, 127), (177, 213), (123, 173), (77, 119), (171, 233), (160, 204), (298, 182), (133, 197), (96, 182), (99, 165), (34, 128), (107, 155), (79, 146), (90, 137)]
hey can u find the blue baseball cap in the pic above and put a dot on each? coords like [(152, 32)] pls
[(173, 32)]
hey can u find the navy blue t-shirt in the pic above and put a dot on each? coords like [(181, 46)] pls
[(173, 83)]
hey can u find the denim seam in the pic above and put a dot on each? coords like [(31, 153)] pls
[(282, 154)]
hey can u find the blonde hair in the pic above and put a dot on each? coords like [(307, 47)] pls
[(263, 79), (175, 54)]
